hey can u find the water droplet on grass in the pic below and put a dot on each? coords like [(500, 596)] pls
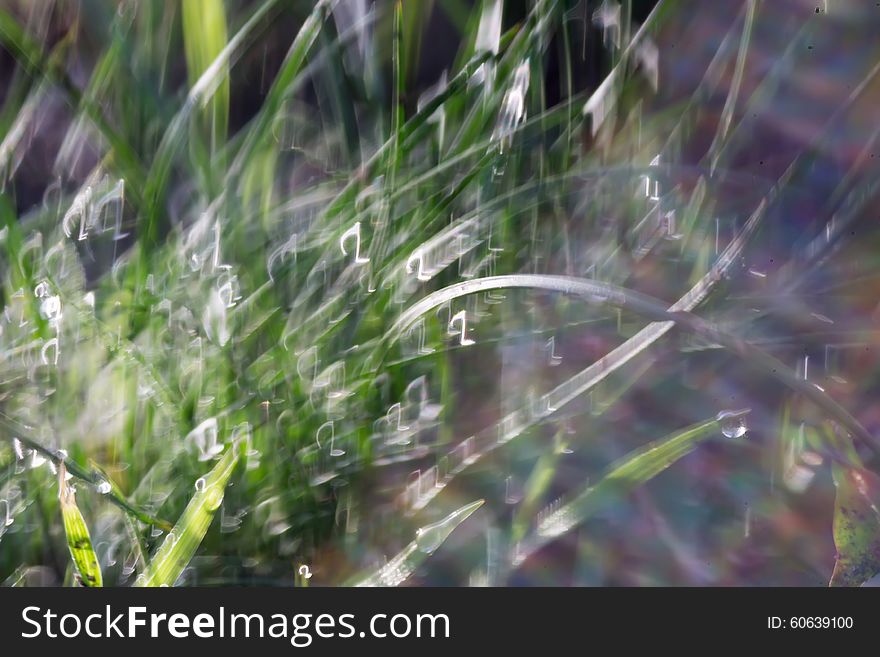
[(733, 424), (213, 499)]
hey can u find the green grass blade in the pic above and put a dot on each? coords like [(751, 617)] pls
[(131, 529), (204, 36), (415, 17), (181, 544), (282, 86), (175, 136), (428, 539), (347, 194), (630, 472), (14, 429), (536, 487), (78, 540)]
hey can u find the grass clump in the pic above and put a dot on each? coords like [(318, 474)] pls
[(313, 277)]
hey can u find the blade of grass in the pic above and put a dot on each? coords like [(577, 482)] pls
[(415, 18), (260, 130), (175, 136), (347, 194), (630, 472), (20, 272), (78, 540), (14, 432), (856, 526), (181, 544), (204, 37), (516, 422), (134, 535), (536, 487), (428, 539), (616, 296), (736, 82)]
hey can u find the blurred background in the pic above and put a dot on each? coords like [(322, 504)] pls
[(230, 225)]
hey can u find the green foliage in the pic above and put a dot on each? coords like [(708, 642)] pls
[(623, 477), (262, 238), (78, 540), (204, 37), (181, 543)]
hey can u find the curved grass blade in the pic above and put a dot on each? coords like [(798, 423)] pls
[(78, 540), (514, 423), (181, 544), (428, 539), (641, 304), (626, 475)]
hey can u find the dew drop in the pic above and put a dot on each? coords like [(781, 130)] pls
[(103, 487), (200, 484), (214, 499), (733, 424)]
